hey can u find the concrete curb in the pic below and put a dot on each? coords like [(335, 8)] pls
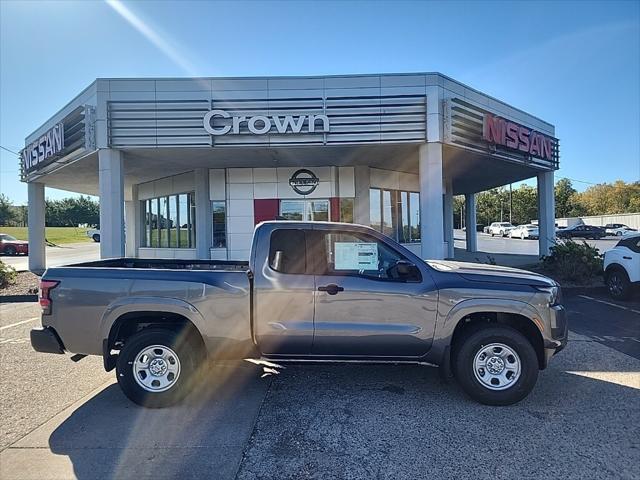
[(577, 290), (18, 298)]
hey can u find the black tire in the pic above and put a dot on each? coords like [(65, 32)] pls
[(463, 362), (188, 356), (10, 250), (618, 284), (96, 237)]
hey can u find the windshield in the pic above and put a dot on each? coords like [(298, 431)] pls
[(7, 238)]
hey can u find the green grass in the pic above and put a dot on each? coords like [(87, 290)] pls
[(56, 235)]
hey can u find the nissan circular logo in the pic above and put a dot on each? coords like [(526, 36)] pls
[(304, 181)]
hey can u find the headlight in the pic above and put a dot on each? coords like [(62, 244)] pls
[(554, 294)]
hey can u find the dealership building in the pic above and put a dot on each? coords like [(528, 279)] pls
[(185, 168)]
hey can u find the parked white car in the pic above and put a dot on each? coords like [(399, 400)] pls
[(500, 228), (618, 229), (94, 234), (622, 267), (525, 231)]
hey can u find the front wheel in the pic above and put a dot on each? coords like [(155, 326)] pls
[(155, 367), (496, 365), (10, 250), (618, 284)]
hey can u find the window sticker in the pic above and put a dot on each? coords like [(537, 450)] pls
[(356, 256)]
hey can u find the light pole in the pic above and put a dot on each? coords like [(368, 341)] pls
[(510, 203)]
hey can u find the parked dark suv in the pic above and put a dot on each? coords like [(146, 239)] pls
[(581, 231)]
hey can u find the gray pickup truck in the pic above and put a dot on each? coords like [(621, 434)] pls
[(311, 291)]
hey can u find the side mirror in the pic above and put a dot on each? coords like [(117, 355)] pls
[(404, 270)]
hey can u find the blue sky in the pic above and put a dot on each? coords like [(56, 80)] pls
[(575, 64)]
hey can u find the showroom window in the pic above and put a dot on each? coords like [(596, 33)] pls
[(219, 222), (396, 213), (169, 221), (305, 210), (346, 210)]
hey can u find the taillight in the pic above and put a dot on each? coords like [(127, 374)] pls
[(44, 295)]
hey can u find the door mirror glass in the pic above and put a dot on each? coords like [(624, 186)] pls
[(404, 270)]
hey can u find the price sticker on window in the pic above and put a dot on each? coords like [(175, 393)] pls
[(356, 256)]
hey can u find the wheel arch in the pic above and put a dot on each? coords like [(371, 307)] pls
[(615, 266), (127, 317), (472, 314)]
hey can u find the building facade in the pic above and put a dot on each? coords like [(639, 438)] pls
[(185, 168)]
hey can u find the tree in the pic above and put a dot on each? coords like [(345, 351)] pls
[(70, 212), (525, 204), (567, 200), (8, 214), (610, 198)]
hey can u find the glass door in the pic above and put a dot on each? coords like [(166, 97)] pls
[(305, 210)]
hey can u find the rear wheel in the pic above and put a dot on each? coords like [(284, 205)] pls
[(496, 365), (618, 284), (155, 367), (96, 237)]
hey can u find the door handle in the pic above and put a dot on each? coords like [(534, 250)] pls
[(627, 258), (331, 289)]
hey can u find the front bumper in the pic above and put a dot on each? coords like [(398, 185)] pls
[(46, 340)]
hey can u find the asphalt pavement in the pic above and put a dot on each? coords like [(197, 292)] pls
[(62, 255), (69, 420)]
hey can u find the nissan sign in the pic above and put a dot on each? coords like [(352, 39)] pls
[(498, 131), (304, 181), (37, 153), (261, 124)]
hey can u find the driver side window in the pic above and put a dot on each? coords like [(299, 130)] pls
[(342, 253)]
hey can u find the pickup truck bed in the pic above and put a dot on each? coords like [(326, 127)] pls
[(93, 298)]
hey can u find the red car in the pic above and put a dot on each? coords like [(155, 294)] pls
[(12, 246)]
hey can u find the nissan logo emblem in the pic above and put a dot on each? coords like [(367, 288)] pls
[(304, 181)]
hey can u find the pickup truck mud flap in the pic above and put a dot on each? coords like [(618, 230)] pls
[(108, 360)]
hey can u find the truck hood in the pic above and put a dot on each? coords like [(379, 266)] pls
[(480, 272)]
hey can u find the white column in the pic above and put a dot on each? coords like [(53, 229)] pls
[(470, 222), (111, 189), (448, 219), (204, 221), (133, 223), (546, 212), (431, 204), (36, 217), (362, 207)]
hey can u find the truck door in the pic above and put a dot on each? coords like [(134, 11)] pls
[(284, 294), (363, 306)]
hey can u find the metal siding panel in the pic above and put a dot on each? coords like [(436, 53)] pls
[(353, 119)]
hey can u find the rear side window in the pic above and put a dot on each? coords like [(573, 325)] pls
[(632, 244), (288, 251)]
